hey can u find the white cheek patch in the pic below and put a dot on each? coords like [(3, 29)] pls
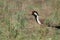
[(36, 14)]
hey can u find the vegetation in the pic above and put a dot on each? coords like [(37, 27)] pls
[(17, 23)]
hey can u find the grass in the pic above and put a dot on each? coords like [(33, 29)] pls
[(17, 23)]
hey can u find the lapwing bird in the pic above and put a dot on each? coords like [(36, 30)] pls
[(36, 15)]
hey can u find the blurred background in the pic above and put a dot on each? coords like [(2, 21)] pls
[(17, 23)]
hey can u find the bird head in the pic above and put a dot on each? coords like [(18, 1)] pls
[(35, 13)]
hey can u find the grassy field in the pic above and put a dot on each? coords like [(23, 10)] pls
[(17, 23)]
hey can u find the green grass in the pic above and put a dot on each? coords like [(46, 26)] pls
[(15, 22)]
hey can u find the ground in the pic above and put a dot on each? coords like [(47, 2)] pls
[(18, 23)]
